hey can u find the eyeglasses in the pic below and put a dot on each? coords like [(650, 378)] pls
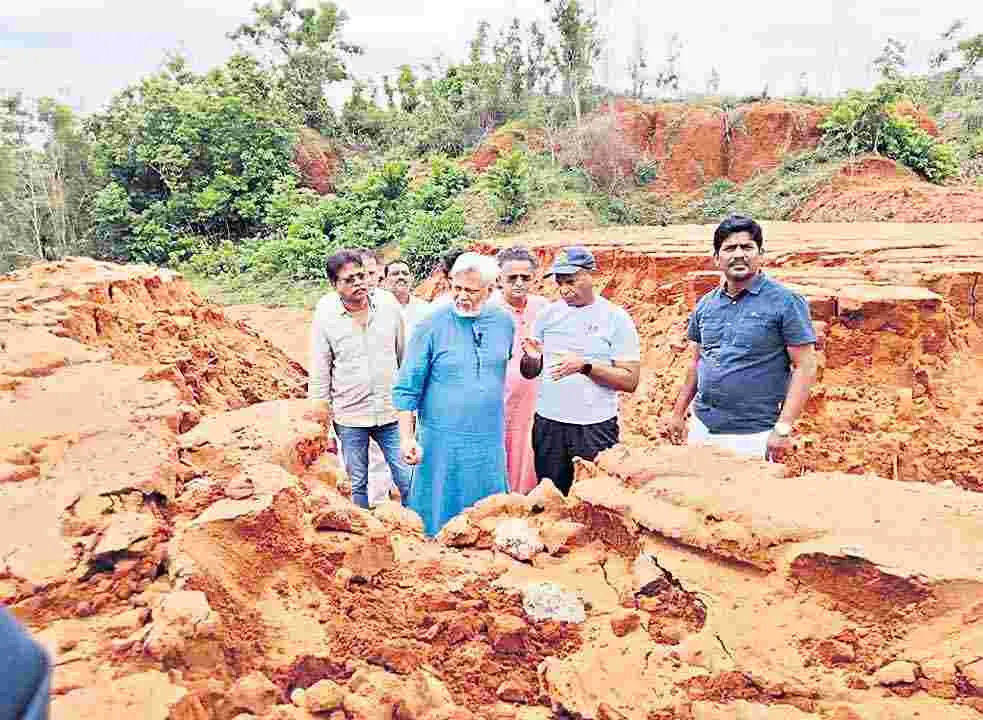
[(511, 279), (352, 279)]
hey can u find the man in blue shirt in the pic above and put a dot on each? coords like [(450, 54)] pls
[(591, 350), (24, 673), (753, 354)]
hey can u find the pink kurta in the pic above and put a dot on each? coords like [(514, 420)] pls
[(520, 402)]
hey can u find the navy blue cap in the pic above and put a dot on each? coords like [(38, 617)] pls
[(572, 259)]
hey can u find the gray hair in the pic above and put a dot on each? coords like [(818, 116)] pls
[(472, 262), (517, 253)]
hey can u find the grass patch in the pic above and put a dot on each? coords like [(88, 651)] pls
[(246, 289), (773, 195)]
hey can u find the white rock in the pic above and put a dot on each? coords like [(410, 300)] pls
[(516, 537), (549, 601)]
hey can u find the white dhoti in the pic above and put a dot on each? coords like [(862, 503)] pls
[(753, 445)]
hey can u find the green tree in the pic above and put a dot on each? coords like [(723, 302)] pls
[(577, 50), (959, 56), (307, 51), (409, 94), (892, 60), (193, 155), (47, 184)]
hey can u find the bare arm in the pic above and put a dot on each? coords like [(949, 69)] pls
[(407, 425), (688, 391), (400, 342), (804, 367), (621, 375)]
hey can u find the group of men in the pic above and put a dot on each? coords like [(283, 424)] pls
[(491, 388)]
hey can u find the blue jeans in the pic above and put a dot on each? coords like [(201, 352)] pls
[(24, 673), (355, 450)]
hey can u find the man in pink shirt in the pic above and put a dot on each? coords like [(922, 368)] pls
[(518, 272)]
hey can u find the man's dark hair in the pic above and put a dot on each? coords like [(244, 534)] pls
[(385, 272), (449, 258), (341, 258), (516, 253), (365, 252), (736, 224)]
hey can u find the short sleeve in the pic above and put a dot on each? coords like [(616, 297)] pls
[(796, 323), (539, 325), (625, 343), (693, 329)]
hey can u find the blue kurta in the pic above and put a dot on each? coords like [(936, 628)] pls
[(453, 376)]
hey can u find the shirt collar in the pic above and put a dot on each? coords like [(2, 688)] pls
[(343, 311), (754, 288)]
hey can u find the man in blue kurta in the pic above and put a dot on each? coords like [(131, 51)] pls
[(453, 378)]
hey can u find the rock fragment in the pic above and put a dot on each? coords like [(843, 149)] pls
[(549, 601)]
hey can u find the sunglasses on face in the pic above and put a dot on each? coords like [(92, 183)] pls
[(352, 279)]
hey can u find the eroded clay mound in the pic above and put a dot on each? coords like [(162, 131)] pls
[(213, 569)]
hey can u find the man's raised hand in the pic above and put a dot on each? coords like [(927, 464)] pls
[(532, 347)]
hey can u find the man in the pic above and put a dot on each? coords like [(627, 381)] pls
[(753, 353), (518, 272), (453, 382), (372, 263), (591, 351), (399, 281), (447, 261), (356, 350), (380, 479), (26, 672)]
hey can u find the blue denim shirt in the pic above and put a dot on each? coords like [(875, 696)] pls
[(744, 366)]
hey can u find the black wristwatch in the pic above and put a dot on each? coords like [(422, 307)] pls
[(585, 370)]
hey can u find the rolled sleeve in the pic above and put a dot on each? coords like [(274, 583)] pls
[(796, 323), (693, 328)]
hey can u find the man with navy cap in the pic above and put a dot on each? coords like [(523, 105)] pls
[(590, 350)]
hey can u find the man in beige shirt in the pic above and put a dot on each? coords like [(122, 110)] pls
[(356, 350)]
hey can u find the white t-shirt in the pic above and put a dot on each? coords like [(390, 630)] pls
[(600, 332), (413, 312)]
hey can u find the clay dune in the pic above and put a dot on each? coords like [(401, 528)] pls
[(175, 529)]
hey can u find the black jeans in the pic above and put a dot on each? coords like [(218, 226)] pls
[(556, 444)]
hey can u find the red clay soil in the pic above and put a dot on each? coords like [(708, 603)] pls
[(180, 540), (877, 189), (318, 161)]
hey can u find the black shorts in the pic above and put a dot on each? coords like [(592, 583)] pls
[(556, 444)]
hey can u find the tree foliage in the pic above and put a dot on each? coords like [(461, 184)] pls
[(47, 183), (192, 155), (306, 51)]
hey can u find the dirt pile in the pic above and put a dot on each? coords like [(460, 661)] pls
[(210, 568), (318, 161), (878, 189)]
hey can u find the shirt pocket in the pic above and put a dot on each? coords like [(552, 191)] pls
[(756, 330), (711, 331)]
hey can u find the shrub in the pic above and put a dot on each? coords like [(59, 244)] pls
[(507, 184), (613, 210), (866, 122), (447, 180), (300, 258), (226, 258), (718, 199), (429, 236)]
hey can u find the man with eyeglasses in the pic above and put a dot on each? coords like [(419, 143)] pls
[(518, 272), (591, 351), (453, 385), (356, 351)]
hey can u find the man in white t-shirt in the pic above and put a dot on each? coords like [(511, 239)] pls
[(591, 351), (399, 281)]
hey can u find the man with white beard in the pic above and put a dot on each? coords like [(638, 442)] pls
[(452, 382)]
